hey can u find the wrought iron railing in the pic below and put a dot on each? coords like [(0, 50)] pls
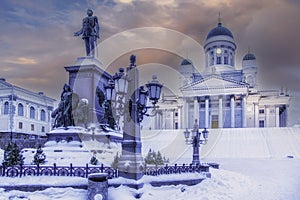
[(41, 170), (84, 171), (176, 169)]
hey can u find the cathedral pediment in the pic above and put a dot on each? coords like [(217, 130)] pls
[(4, 84), (214, 82)]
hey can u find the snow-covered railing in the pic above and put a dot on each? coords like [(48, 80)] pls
[(176, 169), (41, 170), (84, 171)]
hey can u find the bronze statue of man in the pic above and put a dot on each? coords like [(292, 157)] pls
[(90, 33)]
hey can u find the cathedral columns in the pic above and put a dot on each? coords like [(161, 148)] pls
[(179, 117), (244, 120), (172, 122), (206, 112), (232, 114), (277, 116), (220, 123), (196, 109), (185, 113), (256, 123), (267, 117)]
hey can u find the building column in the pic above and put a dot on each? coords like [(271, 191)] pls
[(220, 123), (277, 116), (232, 113), (206, 112), (267, 124), (215, 58), (172, 119), (165, 119), (196, 109), (256, 123), (185, 113), (179, 117), (244, 107)]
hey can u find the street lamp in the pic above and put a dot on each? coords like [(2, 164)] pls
[(130, 101), (196, 140), (109, 88)]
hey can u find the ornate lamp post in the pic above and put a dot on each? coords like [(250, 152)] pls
[(196, 140), (131, 103)]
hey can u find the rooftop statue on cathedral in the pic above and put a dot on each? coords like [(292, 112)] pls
[(90, 33)]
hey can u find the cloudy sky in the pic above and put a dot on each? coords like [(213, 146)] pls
[(36, 37)]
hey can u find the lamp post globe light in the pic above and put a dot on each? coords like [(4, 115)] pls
[(195, 139), (130, 102)]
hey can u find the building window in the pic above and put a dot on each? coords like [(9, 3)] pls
[(261, 123), (43, 129), (6, 108), (20, 125), (261, 111), (20, 109), (226, 60), (176, 114), (176, 125), (43, 115), (32, 112), (218, 60), (32, 127)]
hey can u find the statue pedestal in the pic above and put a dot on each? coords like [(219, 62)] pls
[(84, 77), (72, 133)]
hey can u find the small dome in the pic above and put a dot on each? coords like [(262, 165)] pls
[(249, 56), (186, 62), (219, 30)]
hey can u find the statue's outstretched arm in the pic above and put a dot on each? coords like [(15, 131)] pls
[(79, 32)]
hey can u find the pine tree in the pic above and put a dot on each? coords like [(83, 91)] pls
[(154, 158), (159, 159), (12, 155), (149, 159), (18, 157), (114, 164), (39, 157), (7, 160)]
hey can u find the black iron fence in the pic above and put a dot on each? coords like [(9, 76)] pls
[(41, 170), (176, 169), (84, 171)]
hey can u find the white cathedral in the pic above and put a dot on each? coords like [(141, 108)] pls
[(221, 96)]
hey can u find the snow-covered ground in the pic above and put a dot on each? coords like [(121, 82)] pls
[(253, 165), (248, 179)]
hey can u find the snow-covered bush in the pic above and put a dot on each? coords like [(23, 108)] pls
[(39, 157)]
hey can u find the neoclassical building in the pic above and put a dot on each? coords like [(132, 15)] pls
[(24, 115), (221, 96)]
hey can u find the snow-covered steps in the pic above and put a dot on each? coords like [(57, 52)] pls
[(226, 143)]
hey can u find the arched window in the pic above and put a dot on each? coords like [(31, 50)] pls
[(226, 60), (43, 115), (20, 109), (6, 108), (32, 113), (218, 59)]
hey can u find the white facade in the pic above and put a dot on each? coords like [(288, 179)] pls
[(23, 111), (222, 96)]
